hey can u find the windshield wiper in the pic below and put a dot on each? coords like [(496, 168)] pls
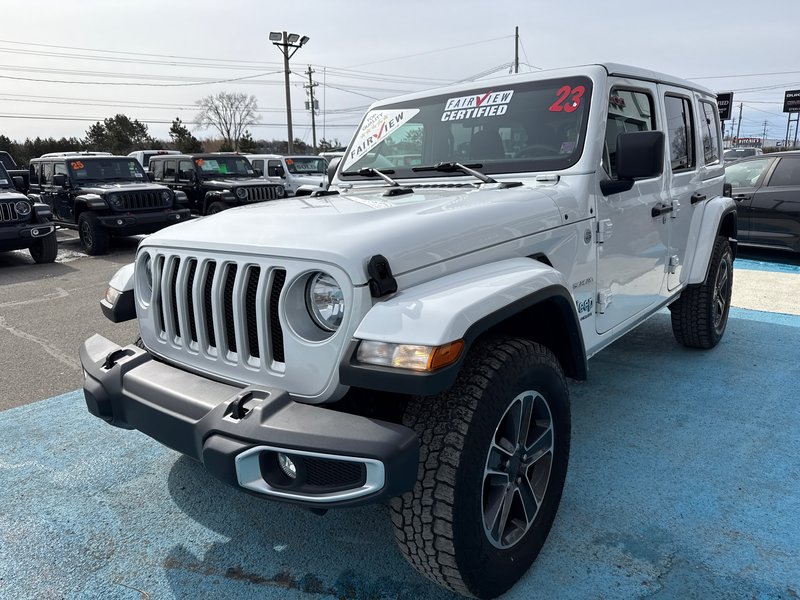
[(454, 167), (396, 188)]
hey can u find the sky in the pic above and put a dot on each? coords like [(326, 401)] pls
[(66, 65)]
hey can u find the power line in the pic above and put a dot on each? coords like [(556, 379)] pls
[(375, 62), (125, 83), (147, 121)]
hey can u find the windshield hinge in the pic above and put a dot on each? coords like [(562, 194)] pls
[(381, 280)]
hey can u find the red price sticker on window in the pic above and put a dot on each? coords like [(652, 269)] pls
[(76, 164), (568, 99)]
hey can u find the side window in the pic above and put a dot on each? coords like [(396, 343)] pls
[(272, 168), (169, 170), (258, 164), (47, 173), (33, 174), (681, 132), (786, 173), (628, 111), (709, 133), (746, 173), (157, 167), (184, 169), (60, 169)]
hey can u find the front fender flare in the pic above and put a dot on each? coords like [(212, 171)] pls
[(123, 307), (462, 305)]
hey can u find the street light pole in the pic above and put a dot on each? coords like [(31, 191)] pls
[(284, 41)]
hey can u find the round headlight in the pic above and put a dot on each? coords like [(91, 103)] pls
[(165, 196), (241, 193), (280, 191), (114, 200), (325, 301), (23, 208)]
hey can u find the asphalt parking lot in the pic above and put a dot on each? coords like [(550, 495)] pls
[(683, 479)]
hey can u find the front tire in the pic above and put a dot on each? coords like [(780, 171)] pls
[(493, 458), (94, 237), (700, 315), (216, 207), (45, 250)]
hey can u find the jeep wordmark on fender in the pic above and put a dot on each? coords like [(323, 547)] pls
[(407, 334)]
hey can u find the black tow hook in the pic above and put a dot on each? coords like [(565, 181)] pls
[(113, 357), (237, 408)]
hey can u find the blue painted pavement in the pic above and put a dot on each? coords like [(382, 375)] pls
[(684, 482)]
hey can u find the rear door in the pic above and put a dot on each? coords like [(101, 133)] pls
[(775, 206), (746, 177)]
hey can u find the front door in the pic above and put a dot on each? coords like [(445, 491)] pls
[(632, 241)]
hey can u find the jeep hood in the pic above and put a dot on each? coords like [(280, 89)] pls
[(226, 184), (411, 230), (119, 186)]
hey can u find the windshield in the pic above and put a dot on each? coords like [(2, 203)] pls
[(299, 165), (105, 169), (224, 166), (505, 128), (5, 179)]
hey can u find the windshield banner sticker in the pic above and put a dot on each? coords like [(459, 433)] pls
[(488, 104), (378, 125)]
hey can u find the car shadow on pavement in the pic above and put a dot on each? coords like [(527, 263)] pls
[(274, 549)]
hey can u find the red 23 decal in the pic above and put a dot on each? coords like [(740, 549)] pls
[(573, 93)]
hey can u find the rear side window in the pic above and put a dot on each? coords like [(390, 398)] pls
[(47, 173), (258, 164), (746, 173), (681, 132), (786, 173), (33, 174), (157, 167), (709, 133)]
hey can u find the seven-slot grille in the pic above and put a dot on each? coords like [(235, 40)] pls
[(8, 212), (219, 308), (143, 200), (262, 192)]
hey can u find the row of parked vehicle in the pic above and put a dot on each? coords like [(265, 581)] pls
[(102, 195)]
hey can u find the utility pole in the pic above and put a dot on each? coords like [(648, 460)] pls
[(739, 126), (516, 49), (284, 41), (312, 104), (764, 137)]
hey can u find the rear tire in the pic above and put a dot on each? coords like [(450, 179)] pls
[(700, 315), (486, 495), (95, 238), (45, 250)]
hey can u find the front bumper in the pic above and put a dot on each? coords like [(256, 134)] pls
[(22, 235), (131, 223), (238, 433)]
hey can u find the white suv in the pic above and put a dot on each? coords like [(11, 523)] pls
[(408, 333), (292, 171)]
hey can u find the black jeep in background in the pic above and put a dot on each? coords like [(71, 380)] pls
[(24, 224), (15, 171), (103, 196), (213, 182)]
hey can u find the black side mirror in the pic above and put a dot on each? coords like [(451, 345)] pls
[(332, 166), (151, 176), (640, 155), (727, 190), (280, 172), (19, 183), (60, 180), (259, 172)]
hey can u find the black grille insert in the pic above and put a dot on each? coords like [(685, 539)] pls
[(276, 331)]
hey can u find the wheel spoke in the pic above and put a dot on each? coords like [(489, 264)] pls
[(539, 448), (530, 502), (525, 419), (500, 523)]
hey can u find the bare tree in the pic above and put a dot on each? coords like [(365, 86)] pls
[(230, 114)]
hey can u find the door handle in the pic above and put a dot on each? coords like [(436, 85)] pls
[(741, 197), (661, 209), (698, 198)]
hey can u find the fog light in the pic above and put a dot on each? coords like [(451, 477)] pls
[(287, 466), (120, 221)]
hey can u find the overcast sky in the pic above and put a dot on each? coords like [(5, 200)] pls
[(152, 60)]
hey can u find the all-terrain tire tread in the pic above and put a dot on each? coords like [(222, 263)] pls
[(423, 517)]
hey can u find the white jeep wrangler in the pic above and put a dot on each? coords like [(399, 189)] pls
[(406, 335)]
